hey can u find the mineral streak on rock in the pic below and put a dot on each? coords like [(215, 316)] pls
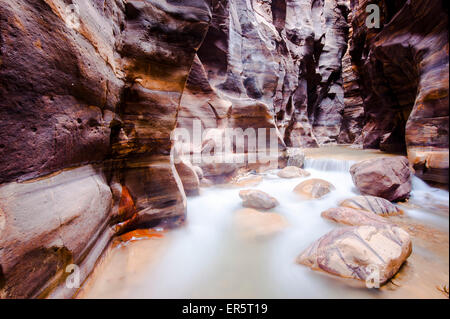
[(97, 87)]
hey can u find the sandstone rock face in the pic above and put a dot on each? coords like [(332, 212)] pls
[(188, 177), (388, 177), (313, 188), (48, 224), (399, 76), (292, 172), (105, 83), (355, 252), (257, 199), (270, 64), (354, 217), (90, 82), (377, 205), (253, 224)]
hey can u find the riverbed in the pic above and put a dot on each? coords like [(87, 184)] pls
[(209, 258)]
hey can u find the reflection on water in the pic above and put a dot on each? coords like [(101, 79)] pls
[(207, 258)]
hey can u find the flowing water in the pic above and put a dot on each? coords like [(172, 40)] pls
[(208, 257)]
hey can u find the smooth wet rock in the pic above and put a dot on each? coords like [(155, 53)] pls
[(293, 172), (314, 188), (188, 177), (377, 205), (48, 223), (353, 252), (251, 223), (407, 109), (387, 177), (257, 199), (354, 217)]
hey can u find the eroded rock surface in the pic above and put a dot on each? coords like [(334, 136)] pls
[(399, 77), (356, 252), (377, 205), (387, 177), (103, 84)]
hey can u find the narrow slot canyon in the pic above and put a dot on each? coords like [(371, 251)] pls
[(223, 149)]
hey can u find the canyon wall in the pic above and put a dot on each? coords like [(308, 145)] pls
[(91, 90), (89, 93), (396, 82)]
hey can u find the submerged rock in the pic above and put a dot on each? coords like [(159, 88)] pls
[(357, 252), (251, 223), (377, 205), (247, 181), (293, 172), (354, 217), (387, 177), (314, 188), (257, 199)]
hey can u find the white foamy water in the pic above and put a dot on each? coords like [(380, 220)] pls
[(207, 258)]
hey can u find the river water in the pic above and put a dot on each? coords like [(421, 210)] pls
[(208, 257)]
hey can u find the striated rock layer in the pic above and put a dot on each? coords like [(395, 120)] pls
[(92, 82), (399, 78), (91, 91)]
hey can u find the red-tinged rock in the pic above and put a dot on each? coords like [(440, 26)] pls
[(139, 234), (387, 177), (126, 204)]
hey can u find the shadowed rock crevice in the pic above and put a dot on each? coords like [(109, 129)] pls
[(89, 99)]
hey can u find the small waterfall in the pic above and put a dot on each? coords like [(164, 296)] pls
[(328, 164)]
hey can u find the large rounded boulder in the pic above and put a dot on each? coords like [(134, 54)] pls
[(364, 253), (386, 177)]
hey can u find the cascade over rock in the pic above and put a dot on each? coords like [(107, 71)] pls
[(91, 91)]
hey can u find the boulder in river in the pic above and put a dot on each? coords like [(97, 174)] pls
[(247, 181), (354, 217), (251, 223), (362, 253), (377, 205), (257, 199), (314, 188), (387, 177), (292, 172)]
